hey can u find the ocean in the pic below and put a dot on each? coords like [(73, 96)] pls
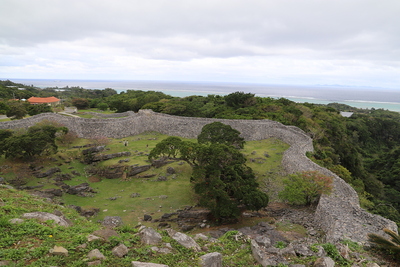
[(360, 97)]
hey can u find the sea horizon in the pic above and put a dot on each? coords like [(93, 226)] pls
[(359, 97)]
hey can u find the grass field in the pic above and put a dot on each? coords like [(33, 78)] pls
[(156, 197)]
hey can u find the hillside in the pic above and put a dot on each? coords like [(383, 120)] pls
[(31, 242)]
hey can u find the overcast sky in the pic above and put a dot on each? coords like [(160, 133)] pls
[(304, 42)]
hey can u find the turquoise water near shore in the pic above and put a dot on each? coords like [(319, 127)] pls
[(360, 97)]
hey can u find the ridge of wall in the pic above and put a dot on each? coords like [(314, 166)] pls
[(339, 214)]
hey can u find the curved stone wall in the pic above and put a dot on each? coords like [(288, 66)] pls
[(338, 214)]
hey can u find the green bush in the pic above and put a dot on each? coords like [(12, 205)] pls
[(304, 188)]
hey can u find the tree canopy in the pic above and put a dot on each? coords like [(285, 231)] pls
[(219, 133), (220, 175)]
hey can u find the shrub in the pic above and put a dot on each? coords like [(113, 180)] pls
[(392, 245), (305, 188)]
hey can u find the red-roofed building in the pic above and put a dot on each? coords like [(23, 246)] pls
[(52, 101)]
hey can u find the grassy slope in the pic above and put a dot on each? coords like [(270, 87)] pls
[(177, 188)]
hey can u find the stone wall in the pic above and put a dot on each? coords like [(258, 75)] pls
[(338, 214)]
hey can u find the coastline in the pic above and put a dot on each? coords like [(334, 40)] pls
[(366, 98)]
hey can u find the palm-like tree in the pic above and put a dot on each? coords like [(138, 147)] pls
[(393, 244)]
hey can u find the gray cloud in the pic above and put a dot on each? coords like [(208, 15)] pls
[(363, 31)]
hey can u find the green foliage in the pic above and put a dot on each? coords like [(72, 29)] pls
[(80, 103), (334, 254), (220, 176), (240, 99), (37, 109), (102, 106), (219, 133), (280, 244), (17, 110), (304, 188), (392, 244), (38, 140)]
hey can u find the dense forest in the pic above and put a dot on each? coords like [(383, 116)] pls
[(363, 149)]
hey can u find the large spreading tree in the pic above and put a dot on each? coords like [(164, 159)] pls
[(220, 175)]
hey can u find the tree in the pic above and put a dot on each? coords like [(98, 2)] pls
[(37, 141), (304, 188), (220, 176), (102, 106), (240, 100), (80, 103), (224, 182), (17, 110), (37, 109), (219, 133)]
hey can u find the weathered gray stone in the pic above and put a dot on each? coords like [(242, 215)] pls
[(120, 250), (211, 260), (147, 264), (57, 250), (161, 250), (91, 238), (324, 262), (263, 241), (258, 254), (137, 169), (112, 221), (200, 236), (105, 233), (4, 263), (184, 240), (16, 221), (95, 254), (45, 216), (150, 237), (303, 250)]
